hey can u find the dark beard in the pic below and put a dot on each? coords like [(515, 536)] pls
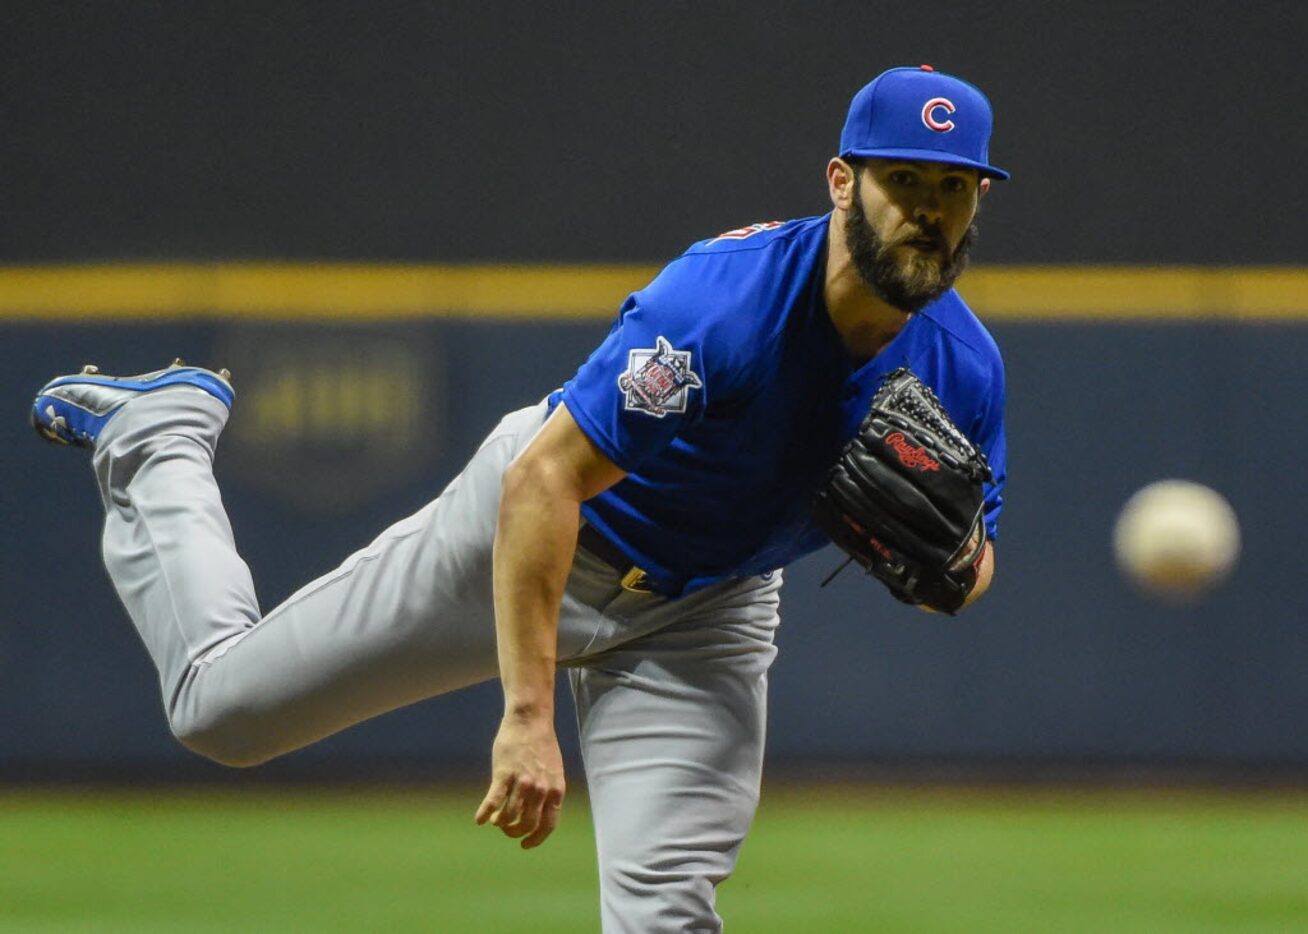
[(908, 288)]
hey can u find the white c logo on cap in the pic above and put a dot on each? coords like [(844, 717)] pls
[(928, 116)]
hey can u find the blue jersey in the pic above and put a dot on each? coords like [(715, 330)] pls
[(724, 391)]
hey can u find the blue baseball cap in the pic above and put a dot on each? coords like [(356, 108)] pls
[(921, 114)]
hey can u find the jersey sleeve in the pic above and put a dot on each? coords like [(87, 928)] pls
[(652, 375), (968, 375), (988, 434)]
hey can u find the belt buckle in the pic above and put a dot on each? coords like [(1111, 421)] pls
[(636, 581)]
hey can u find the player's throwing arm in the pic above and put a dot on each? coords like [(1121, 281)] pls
[(535, 540)]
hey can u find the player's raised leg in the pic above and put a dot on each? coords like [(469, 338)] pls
[(404, 619), (166, 540), (672, 731)]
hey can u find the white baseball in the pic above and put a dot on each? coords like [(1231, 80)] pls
[(1177, 539)]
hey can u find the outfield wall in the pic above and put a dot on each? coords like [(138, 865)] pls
[(349, 416)]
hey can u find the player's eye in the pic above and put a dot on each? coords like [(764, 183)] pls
[(954, 184)]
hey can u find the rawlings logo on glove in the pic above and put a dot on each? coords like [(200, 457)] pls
[(910, 456), (905, 498)]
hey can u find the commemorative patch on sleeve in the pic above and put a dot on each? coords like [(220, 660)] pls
[(658, 379)]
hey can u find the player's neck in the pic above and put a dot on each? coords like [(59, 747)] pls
[(865, 321)]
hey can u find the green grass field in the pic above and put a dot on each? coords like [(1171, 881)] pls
[(820, 859)]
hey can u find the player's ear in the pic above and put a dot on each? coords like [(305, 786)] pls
[(983, 187), (840, 183)]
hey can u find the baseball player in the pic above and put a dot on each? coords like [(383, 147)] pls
[(630, 528)]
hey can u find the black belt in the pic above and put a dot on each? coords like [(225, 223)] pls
[(633, 578)]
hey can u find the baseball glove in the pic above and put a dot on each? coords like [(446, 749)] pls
[(905, 498)]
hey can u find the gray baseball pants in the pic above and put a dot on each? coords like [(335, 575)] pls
[(670, 693)]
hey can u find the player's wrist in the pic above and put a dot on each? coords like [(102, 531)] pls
[(529, 710)]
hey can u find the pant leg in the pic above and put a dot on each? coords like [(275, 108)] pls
[(406, 618), (672, 732)]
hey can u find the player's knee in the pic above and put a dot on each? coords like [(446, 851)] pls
[(222, 749), (640, 897), (226, 741)]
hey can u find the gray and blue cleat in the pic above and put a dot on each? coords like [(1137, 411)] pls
[(74, 409)]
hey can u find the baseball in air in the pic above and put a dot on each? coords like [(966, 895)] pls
[(1177, 539)]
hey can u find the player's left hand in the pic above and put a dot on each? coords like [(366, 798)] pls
[(527, 785), (906, 499)]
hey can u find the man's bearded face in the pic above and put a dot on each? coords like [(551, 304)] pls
[(908, 273)]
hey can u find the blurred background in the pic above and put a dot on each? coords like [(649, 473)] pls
[(396, 221)]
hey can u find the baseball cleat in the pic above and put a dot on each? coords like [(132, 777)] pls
[(74, 409)]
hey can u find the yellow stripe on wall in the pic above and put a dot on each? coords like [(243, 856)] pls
[(1110, 293), (285, 291), (352, 291)]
